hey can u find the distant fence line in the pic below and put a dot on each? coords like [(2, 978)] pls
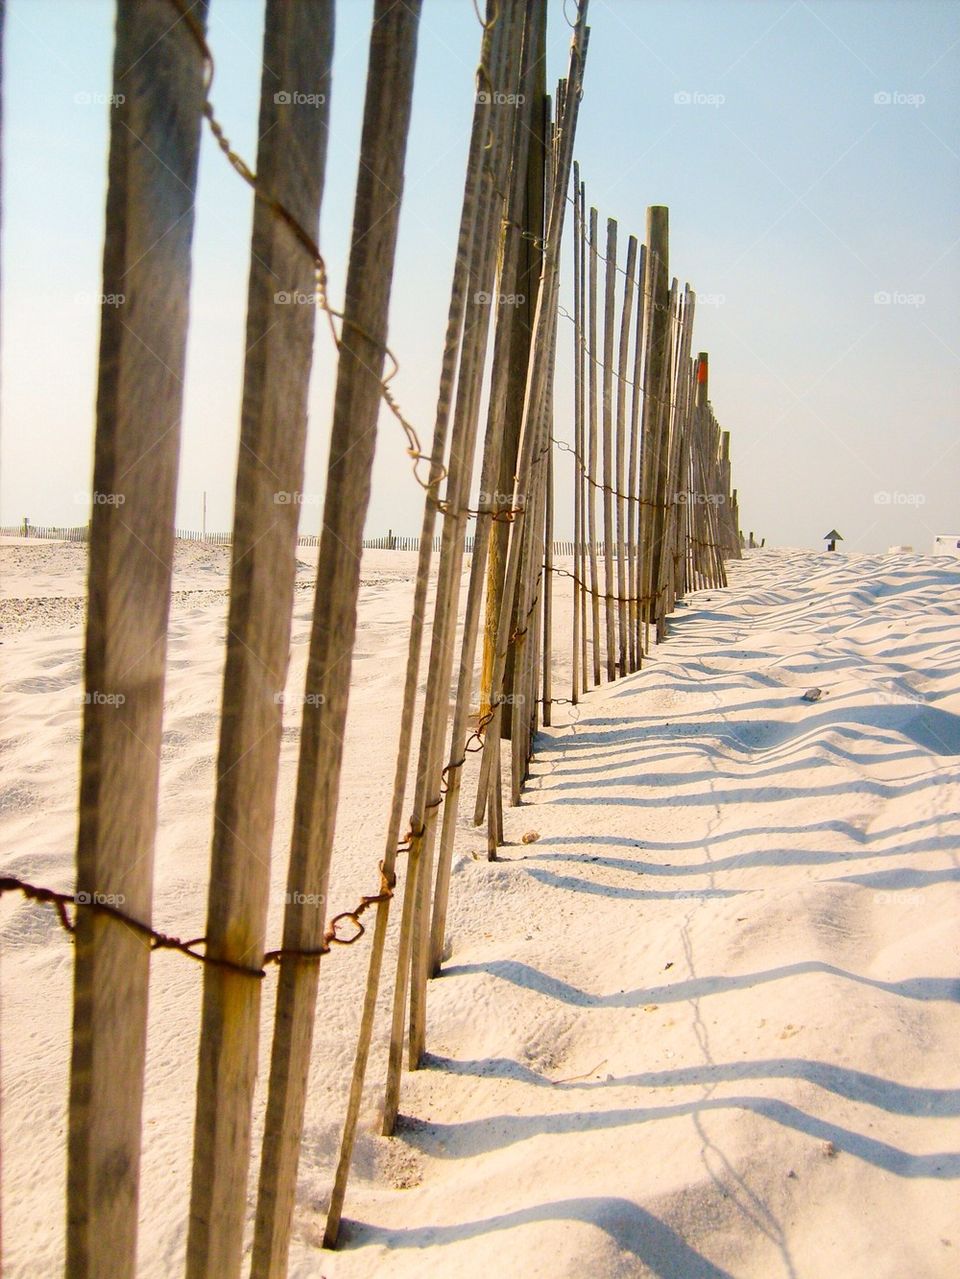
[(391, 542), (73, 533), (646, 446)]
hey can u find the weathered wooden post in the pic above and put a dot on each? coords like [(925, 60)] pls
[(279, 345), (655, 384), (633, 462), (390, 76), (540, 363), (490, 499), (609, 479), (664, 429), (680, 361), (547, 685), (621, 454), (428, 791), (581, 204), (522, 284), (575, 666), (523, 652), (592, 483), (413, 954), (701, 402), (469, 223), (158, 82)]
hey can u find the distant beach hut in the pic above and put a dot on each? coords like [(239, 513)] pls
[(947, 544), (831, 539)]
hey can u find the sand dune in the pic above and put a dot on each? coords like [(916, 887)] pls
[(705, 1025)]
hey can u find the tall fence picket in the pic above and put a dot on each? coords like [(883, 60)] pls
[(154, 148), (297, 51)]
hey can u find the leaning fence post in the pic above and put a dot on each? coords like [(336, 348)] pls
[(547, 685), (633, 461), (511, 237), (428, 791), (575, 680), (158, 80), (655, 384), (468, 224), (279, 346), (592, 483), (477, 198), (609, 299), (581, 551), (357, 403), (621, 454), (544, 330)]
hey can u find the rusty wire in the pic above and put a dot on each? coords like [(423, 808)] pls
[(163, 941), (600, 595), (564, 447)]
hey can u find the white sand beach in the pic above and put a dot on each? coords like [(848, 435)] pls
[(704, 1025)]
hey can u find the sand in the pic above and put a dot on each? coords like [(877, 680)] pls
[(704, 1025)]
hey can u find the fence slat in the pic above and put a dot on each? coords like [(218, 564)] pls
[(592, 449), (580, 549), (279, 341), (576, 682), (459, 482), (392, 60), (633, 463), (609, 479), (469, 219), (154, 147), (478, 187), (535, 394), (512, 241), (655, 381), (520, 672), (621, 454), (523, 285)]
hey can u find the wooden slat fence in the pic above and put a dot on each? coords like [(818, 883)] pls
[(654, 517)]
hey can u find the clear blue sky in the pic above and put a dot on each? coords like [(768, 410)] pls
[(795, 198)]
